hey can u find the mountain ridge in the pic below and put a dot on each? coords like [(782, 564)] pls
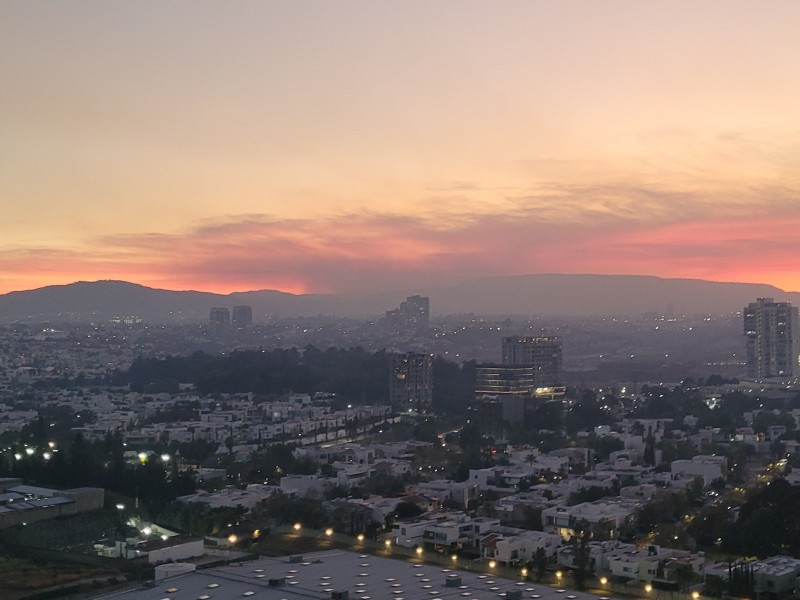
[(534, 294)]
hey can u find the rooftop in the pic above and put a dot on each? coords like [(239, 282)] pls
[(318, 575)]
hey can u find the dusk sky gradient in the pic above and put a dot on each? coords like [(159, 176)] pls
[(360, 146)]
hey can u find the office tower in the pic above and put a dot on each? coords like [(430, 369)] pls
[(219, 322), (495, 380), (412, 318), (411, 382), (772, 339), (242, 317), (543, 353)]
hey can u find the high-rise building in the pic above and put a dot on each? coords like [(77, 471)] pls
[(543, 353), (242, 317), (412, 318), (219, 324), (411, 382), (495, 380), (772, 339)]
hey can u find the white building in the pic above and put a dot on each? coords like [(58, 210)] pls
[(703, 465), (604, 517)]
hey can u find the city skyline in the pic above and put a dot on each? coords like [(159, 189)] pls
[(356, 146)]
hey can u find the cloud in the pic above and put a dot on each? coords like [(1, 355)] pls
[(615, 229)]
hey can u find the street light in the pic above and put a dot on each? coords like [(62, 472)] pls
[(360, 537), (603, 580), (329, 532), (648, 588), (524, 572), (297, 526), (419, 551), (492, 564)]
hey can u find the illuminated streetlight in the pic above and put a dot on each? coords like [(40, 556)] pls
[(648, 588), (419, 550), (360, 537), (29, 451), (46, 455), (603, 580), (492, 564), (559, 575), (524, 572), (329, 532), (256, 534), (120, 507), (695, 595), (297, 526), (165, 457), (387, 543), (233, 538), (18, 456), (454, 557)]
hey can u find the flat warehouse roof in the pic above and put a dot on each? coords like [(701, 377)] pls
[(318, 575)]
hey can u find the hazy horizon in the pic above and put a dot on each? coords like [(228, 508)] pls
[(393, 290), (360, 146)]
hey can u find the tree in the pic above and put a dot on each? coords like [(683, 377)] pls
[(683, 575), (580, 542), (407, 510), (540, 563), (532, 518)]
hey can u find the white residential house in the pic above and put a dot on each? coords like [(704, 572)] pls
[(518, 547), (604, 517), (703, 465)]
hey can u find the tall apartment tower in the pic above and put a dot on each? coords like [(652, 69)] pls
[(543, 353), (412, 318), (772, 339), (411, 382), (219, 322), (242, 317)]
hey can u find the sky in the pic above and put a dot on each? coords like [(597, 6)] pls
[(362, 146)]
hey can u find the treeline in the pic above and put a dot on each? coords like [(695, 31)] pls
[(81, 463), (768, 523), (353, 374)]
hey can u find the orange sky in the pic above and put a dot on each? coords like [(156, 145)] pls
[(361, 146)]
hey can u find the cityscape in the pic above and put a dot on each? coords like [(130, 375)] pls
[(164, 456), (400, 301)]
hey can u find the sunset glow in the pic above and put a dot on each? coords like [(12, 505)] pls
[(364, 146)]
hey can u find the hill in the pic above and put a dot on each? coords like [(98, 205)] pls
[(547, 294)]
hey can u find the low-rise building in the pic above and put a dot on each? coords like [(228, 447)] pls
[(703, 465), (603, 517)]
